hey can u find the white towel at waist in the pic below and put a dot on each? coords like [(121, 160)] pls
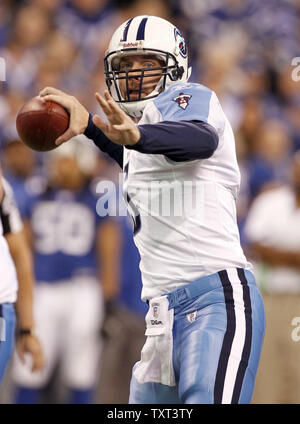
[(156, 364)]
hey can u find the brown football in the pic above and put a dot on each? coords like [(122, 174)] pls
[(39, 123)]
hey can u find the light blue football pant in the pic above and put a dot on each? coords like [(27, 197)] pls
[(7, 335), (215, 357)]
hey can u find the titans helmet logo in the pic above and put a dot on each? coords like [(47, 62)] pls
[(180, 42), (182, 100)]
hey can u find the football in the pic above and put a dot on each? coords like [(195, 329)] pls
[(39, 123)]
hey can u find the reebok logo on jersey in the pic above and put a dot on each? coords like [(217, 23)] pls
[(183, 100), (192, 316)]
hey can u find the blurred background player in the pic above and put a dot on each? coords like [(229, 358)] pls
[(22, 170), (273, 232), (17, 266), (75, 253), (125, 325), (8, 294)]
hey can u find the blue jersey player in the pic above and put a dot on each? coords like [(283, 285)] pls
[(74, 250), (205, 323)]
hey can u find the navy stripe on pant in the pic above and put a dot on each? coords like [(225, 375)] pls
[(227, 346)]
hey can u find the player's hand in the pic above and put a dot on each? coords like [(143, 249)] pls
[(120, 128), (30, 343), (79, 116)]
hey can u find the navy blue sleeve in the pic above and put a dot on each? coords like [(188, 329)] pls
[(115, 151), (179, 141)]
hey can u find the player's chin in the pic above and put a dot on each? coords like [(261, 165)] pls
[(135, 95)]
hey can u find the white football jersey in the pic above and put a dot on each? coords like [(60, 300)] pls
[(184, 212)]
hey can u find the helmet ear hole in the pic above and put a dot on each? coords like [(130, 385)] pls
[(178, 72)]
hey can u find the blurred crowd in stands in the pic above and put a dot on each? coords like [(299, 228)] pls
[(242, 49)]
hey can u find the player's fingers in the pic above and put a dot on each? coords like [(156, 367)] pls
[(62, 100), (113, 104), (110, 99), (107, 95), (70, 133), (103, 103), (121, 127), (130, 135), (102, 125), (117, 110), (50, 90)]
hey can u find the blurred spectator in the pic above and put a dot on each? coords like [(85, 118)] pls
[(60, 64), (264, 152), (29, 32), (125, 326), (6, 10), (90, 17), (292, 114), (161, 8), (51, 7), (8, 111), (272, 229), (268, 164), (19, 167), (273, 233)]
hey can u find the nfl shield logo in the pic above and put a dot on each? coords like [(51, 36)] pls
[(192, 316), (155, 309), (182, 100)]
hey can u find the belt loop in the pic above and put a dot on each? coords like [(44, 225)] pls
[(171, 299), (182, 295)]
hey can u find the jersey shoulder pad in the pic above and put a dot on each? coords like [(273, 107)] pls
[(184, 101)]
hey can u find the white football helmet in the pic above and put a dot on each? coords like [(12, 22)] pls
[(145, 35)]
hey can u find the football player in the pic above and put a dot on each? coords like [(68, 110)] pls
[(205, 323), (16, 287), (8, 295)]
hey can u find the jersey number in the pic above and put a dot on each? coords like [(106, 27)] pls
[(69, 230)]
